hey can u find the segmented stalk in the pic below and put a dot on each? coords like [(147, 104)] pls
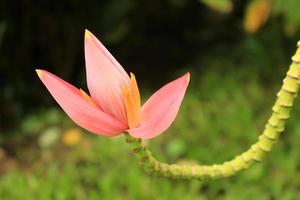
[(273, 128)]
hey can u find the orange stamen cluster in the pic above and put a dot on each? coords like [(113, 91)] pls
[(132, 102)]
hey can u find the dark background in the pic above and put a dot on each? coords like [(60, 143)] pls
[(149, 38)]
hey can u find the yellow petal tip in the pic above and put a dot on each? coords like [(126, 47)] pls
[(88, 34), (188, 77), (39, 72), (132, 77)]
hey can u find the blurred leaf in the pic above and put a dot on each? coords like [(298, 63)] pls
[(53, 116), (49, 137), (117, 33), (257, 14), (175, 148), (292, 16), (178, 3), (223, 6), (115, 20), (2, 154), (2, 30), (289, 9), (289, 29), (32, 124)]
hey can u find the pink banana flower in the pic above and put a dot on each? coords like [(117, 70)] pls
[(114, 104)]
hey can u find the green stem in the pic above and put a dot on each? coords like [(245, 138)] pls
[(274, 127)]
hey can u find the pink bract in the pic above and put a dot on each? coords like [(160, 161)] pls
[(114, 102)]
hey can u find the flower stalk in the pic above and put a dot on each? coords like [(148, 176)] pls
[(273, 129)]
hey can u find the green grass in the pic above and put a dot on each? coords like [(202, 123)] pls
[(221, 116)]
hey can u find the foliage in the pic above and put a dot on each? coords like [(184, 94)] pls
[(224, 6), (2, 30), (288, 9), (257, 13), (215, 123)]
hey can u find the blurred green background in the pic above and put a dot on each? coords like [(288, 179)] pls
[(237, 52)]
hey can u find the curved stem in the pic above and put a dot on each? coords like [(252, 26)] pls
[(274, 127)]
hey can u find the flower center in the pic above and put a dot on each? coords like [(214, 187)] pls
[(132, 102)]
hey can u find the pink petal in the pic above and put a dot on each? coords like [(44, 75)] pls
[(79, 109), (106, 78), (161, 109)]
